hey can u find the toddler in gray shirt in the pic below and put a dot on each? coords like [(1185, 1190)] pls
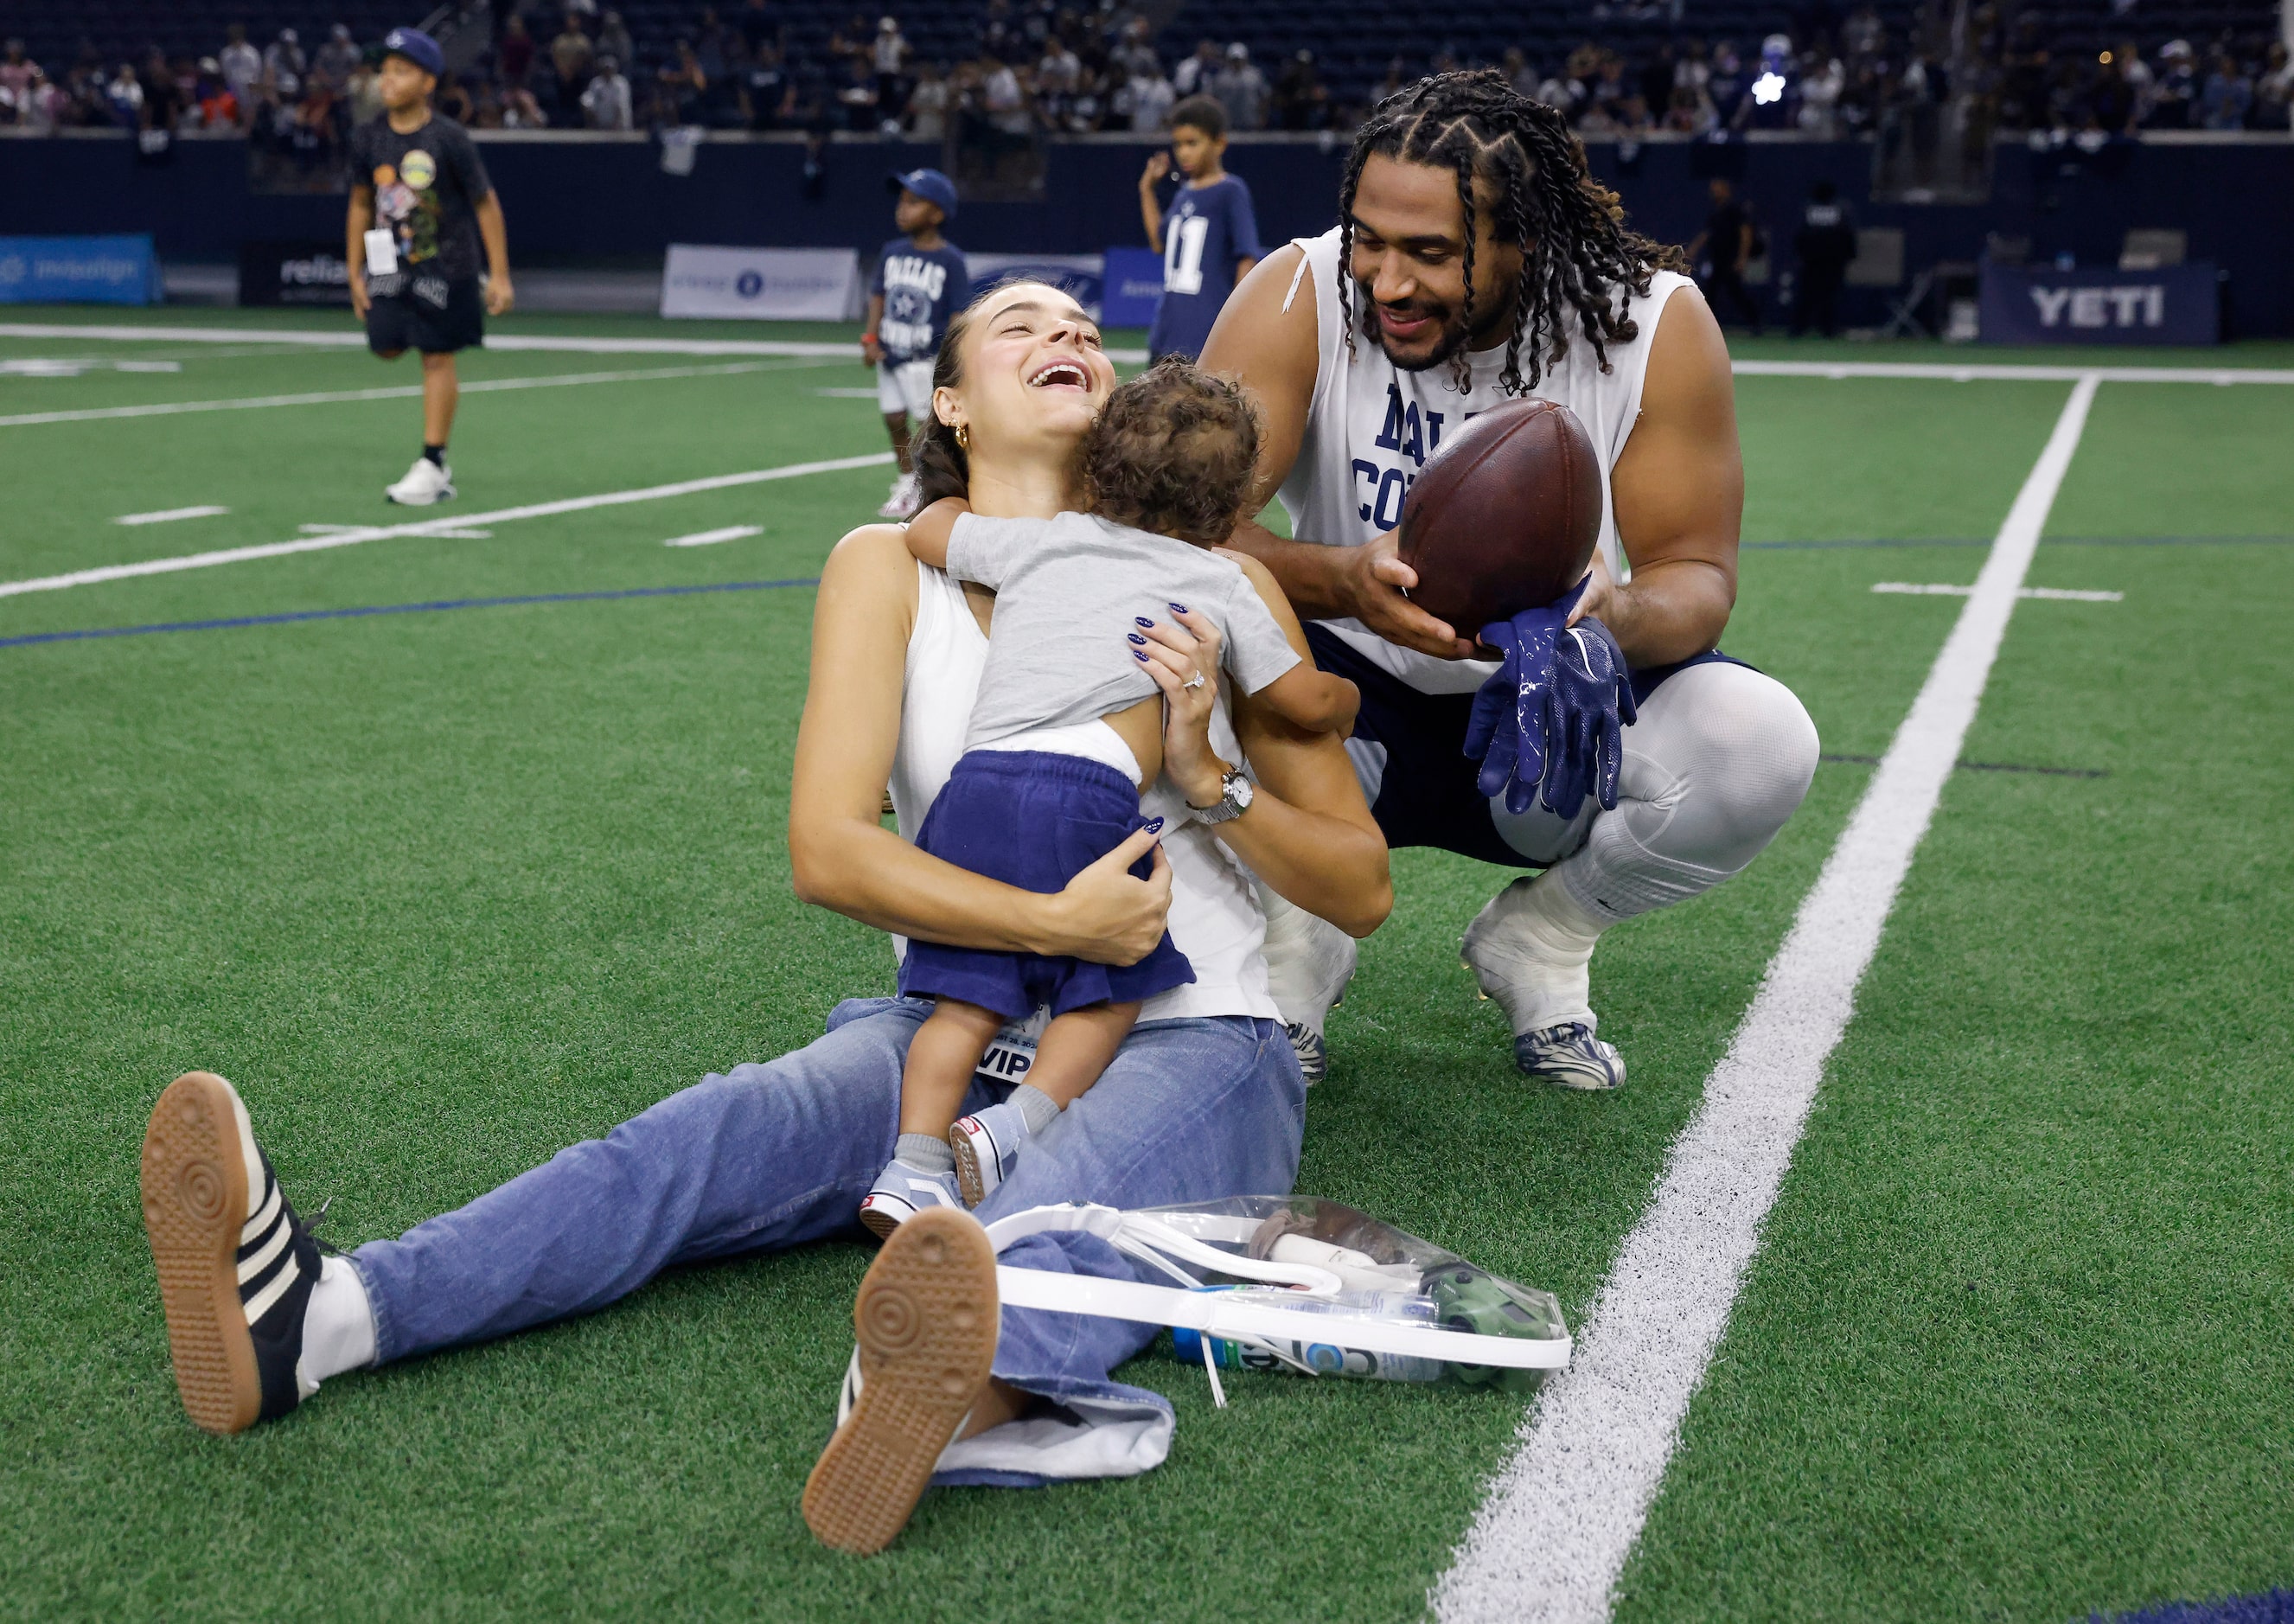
[(1044, 790)]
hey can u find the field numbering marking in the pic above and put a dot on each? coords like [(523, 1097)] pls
[(1561, 1518), (1937, 589), (166, 515), (710, 538), (437, 526)]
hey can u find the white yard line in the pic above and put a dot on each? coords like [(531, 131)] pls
[(1937, 589), (350, 338), (168, 516), (710, 538), (255, 403), (1562, 1517), (437, 526)]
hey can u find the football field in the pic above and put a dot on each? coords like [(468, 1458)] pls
[(454, 835)]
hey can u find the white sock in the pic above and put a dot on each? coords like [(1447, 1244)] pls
[(337, 1327), (1531, 949), (924, 1153), (1037, 1109)]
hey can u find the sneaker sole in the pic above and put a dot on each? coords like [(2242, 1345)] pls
[(969, 1184), (194, 1203), (926, 1321), (881, 1223)]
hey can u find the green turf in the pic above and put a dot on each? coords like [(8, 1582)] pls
[(444, 892)]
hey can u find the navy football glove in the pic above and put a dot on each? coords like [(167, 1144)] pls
[(1586, 705), (1546, 725)]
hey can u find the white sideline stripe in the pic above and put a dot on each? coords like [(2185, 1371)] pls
[(849, 351), (1938, 588), (710, 538), (255, 403), (437, 526), (1561, 1518), (168, 514)]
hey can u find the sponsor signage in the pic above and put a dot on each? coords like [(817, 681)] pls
[(1078, 273), (2172, 304), (762, 284), (307, 272), (79, 270), (1133, 282)]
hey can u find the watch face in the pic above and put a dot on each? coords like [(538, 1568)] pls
[(1237, 790)]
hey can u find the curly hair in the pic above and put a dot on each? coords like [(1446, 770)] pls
[(1575, 251), (1173, 451)]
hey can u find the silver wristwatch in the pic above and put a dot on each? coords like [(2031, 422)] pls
[(1231, 804)]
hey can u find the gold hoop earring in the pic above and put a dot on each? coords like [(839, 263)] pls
[(964, 437)]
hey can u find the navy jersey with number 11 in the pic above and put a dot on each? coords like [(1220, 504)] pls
[(1209, 228)]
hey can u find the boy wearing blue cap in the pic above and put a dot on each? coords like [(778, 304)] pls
[(420, 203), (921, 282)]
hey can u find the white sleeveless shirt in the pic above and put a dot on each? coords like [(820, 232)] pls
[(1215, 915), (1371, 425)]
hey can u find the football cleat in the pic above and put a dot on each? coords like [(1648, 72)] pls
[(1570, 1056)]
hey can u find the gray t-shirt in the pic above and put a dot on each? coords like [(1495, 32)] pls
[(1067, 590)]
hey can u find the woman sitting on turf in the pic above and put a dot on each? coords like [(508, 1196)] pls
[(1204, 1099)]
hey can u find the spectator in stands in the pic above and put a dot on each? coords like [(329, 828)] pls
[(712, 45), (242, 63), (1302, 101), (766, 94), (606, 101), (1242, 89), (569, 55), (125, 94), (218, 107), (1729, 85), (1144, 103), (514, 55), (161, 105), (613, 40), (1723, 249), (2273, 90), (857, 96), (679, 86), (362, 95), (2226, 95), (889, 57), (1863, 35), (1825, 245), (2178, 87), (2111, 108), (1134, 56), (1519, 74), (284, 62), (1194, 75), (20, 77), (337, 56), (1823, 77), (928, 104)]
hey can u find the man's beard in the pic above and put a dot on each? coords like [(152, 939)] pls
[(1454, 335)]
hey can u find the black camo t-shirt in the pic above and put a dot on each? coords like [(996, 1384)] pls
[(427, 189)]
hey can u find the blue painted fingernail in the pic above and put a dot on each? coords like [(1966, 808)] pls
[(1139, 656), (1136, 637), (1178, 608), (1154, 825), (1143, 620)]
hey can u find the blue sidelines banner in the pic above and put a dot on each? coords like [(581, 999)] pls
[(79, 271), (2172, 304), (1132, 283), (1076, 274)]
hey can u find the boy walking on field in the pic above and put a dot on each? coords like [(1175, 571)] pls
[(420, 203), (1209, 240)]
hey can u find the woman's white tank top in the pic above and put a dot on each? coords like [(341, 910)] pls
[(1372, 425), (1215, 914)]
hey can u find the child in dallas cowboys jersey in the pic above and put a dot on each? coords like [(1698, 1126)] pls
[(921, 280), (1208, 240), (1066, 731)]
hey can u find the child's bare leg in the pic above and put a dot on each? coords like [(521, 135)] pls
[(1077, 1047), (941, 1059)]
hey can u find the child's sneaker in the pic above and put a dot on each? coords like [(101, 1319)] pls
[(986, 1147), (900, 1193)]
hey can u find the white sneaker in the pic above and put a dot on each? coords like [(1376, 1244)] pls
[(425, 483), (1309, 961), (902, 501), (1532, 951)]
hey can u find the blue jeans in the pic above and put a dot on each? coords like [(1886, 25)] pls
[(772, 1156)]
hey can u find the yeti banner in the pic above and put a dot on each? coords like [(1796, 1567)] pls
[(2172, 304)]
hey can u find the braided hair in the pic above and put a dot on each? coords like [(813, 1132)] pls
[(1575, 251)]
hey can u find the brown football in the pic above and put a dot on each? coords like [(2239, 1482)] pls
[(1504, 517)]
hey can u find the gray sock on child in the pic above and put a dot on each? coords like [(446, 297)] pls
[(925, 1154), (1037, 1109)]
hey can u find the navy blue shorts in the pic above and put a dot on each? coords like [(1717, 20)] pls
[(1034, 819), (1428, 796)]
